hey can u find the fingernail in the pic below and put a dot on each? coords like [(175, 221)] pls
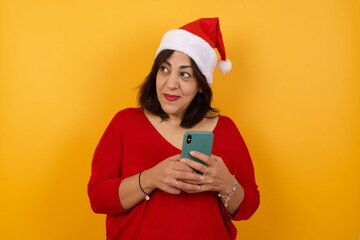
[(182, 160), (202, 178)]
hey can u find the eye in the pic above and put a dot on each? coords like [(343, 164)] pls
[(185, 75), (163, 69)]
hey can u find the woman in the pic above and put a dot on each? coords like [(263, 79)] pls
[(138, 178)]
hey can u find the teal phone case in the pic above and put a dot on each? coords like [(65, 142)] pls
[(200, 141)]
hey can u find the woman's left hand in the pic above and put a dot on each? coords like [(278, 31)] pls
[(217, 177)]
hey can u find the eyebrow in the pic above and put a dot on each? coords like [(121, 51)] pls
[(182, 67)]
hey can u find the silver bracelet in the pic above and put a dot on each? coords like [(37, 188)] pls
[(227, 198)]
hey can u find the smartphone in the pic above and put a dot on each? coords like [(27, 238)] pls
[(200, 141)]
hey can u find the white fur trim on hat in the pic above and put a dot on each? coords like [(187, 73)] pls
[(194, 46)]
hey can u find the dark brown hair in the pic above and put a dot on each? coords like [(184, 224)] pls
[(199, 108)]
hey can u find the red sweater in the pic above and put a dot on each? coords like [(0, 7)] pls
[(130, 144)]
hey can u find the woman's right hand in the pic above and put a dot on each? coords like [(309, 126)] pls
[(171, 176)]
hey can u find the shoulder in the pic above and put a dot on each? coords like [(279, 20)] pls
[(227, 127), (127, 116), (129, 113), (225, 121)]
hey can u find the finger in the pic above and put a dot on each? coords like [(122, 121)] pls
[(175, 191), (175, 158), (189, 176), (188, 187), (214, 159), (208, 160), (206, 171), (170, 186), (182, 168), (195, 165)]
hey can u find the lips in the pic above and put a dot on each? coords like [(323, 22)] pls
[(171, 98)]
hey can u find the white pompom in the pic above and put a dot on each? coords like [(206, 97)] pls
[(224, 66)]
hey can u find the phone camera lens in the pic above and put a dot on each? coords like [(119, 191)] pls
[(188, 139)]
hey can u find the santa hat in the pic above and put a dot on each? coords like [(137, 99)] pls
[(198, 40)]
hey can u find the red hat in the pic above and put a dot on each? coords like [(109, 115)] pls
[(198, 40)]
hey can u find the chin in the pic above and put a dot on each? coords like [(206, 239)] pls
[(172, 112)]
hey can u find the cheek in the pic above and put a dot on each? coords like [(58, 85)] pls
[(160, 79), (158, 82), (190, 96), (190, 90)]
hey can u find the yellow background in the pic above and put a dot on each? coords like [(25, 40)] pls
[(294, 91)]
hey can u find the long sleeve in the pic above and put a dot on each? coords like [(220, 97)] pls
[(230, 145), (103, 186)]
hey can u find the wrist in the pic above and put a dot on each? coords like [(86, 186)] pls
[(147, 181), (226, 197), (228, 186), (144, 185), (147, 197)]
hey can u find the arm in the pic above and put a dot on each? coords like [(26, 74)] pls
[(105, 173), (111, 193), (232, 148)]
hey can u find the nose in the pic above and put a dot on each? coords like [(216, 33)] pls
[(172, 81)]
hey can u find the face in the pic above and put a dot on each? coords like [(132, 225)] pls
[(176, 85)]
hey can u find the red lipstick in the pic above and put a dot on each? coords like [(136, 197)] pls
[(171, 98)]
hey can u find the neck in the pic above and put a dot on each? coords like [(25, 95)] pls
[(173, 121)]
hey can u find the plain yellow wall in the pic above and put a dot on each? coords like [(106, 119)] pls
[(294, 91)]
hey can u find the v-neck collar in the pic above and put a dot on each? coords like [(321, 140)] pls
[(161, 137)]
